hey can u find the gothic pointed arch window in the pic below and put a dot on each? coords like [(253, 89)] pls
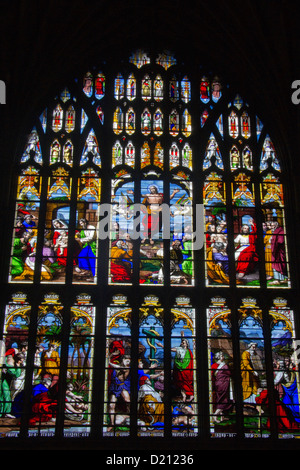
[(149, 265)]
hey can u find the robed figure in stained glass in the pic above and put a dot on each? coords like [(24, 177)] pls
[(246, 254)]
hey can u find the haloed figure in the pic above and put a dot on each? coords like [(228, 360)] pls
[(183, 370)]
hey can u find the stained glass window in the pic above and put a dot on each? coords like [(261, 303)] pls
[(78, 403), (14, 348), (119, 181), (184, 366)]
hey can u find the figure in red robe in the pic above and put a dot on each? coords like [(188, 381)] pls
[(278, 258), (245, 254), (183, 370), (284, 418)]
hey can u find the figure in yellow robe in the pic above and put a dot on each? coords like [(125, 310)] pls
[(250, 378)]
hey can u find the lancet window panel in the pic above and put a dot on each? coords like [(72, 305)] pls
[(222, 386)]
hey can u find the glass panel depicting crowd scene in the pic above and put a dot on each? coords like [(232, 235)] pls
[(150, 381), (44, 393)]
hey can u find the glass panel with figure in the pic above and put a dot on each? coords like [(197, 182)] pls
[(216, 89), (158, 88), (216, 242), (158, 122), (212, 154), (130, 154), (146, 88), (100, 114), (57, 118), (145, 155), (68, 151), (130, 121), (233, 125), (88, 85), (118, 121), (174, 156), (23, 251), (13, 356), (285, 357), (87, 219), (204, 90), (91, 152), (253, 368), (174, 89), (46, 375), (121, 246), (131, 87), (100, 86), (274, 232), (245, 125), (117, 388), (151, 386), (32, 148), (151, 247), (235, 159), (117, 154), (245, 232), (187, 156), (56, 230), (247, 159), (146, 122), (183, 385), (220, 369), (269, 159), (174, 123), (139, 58), (119, 87), (181, 233), (70, 119), (77, 419), (186, 123)]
